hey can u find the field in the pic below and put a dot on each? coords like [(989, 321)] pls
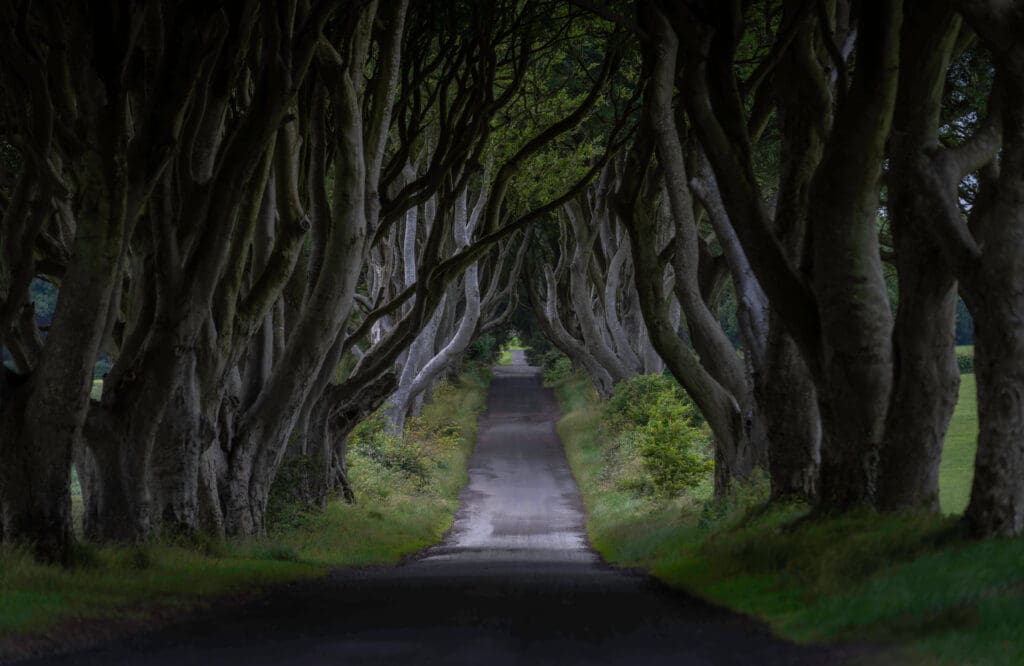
[(957, 469)]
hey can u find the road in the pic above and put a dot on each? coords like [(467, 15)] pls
[(513, 583)]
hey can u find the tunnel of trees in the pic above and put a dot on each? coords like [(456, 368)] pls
[(259, 222)]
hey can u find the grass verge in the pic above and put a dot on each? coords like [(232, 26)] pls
[(42, 607), (912, 585)]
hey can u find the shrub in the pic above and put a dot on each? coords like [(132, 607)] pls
[(675, 453), (402, 455), (558, 370), (483, 350), (965, 360), (633, 399), (381, 463), (657, 446)]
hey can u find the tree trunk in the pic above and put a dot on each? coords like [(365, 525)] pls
[(924, 363), (176, 459), (263, 431), (997, 495), (43, 418), (35, 500), (847, 277), (790, 408), (996, 298)]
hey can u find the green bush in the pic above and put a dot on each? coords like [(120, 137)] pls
[(483, 350), (633, 399), (656, 444), (965, 360), (402, 456), (558, 370), (675, 453), (381, 463)]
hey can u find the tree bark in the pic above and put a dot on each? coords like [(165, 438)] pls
[(996, 298), (926, 373), (43, 418)]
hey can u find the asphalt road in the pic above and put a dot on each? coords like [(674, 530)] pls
[(513, 583)]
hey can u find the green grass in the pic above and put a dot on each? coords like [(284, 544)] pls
[(913, 587), (129, 583), (956, 472)]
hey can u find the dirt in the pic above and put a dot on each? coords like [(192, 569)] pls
[(514, 582)]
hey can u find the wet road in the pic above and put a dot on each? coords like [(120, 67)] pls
[(513, 583)]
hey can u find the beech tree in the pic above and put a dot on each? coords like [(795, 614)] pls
[(983, 247), (238, 280), (273, 218), (585, 304), (884, 386), (98, 108)]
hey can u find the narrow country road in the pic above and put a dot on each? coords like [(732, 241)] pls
[(513, 583)]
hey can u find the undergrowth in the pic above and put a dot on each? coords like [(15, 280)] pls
[(407, 496), (913, 589)]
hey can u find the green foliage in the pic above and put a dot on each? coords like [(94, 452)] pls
[(653, 446), (556, 368), (675, 453), (655, 424), (965, 359), (543, 357), (158, 579), (371, 446), (742, 499), (511, 344), (630, 406), (382, 463), (910, 586), (483, 350)]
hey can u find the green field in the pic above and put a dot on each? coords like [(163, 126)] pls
[(915, 587), (143, 583), (957, 469)]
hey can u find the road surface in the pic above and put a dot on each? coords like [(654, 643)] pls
[(513, 583)]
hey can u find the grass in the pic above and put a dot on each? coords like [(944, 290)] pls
[(38, 602), (956, 471), (913, 587)]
